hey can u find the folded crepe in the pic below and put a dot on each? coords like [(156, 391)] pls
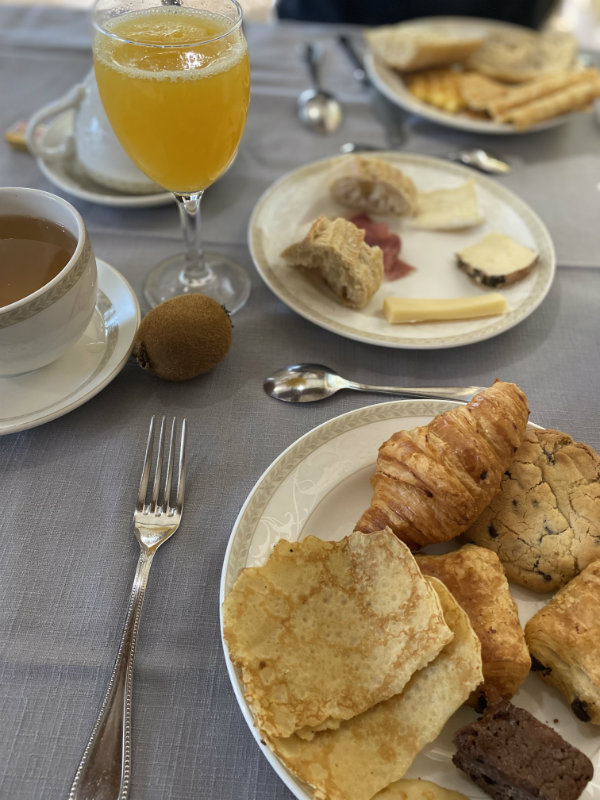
[(374, 749), (324, 630)]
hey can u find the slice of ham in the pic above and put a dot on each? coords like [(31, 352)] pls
[(378, 233)]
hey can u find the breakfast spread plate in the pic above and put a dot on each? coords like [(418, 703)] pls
[(396, 84), (319, 486), (66, 174), (292, 203), (43, 395)]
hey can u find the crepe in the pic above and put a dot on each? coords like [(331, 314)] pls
[(374, 749), (536, 90), (324, 630), (479, 91), (572, 98)]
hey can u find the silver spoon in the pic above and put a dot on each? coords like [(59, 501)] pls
[(478, 158), (305, 383), (318, 110)]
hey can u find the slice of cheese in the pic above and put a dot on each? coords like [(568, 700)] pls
[(448, 209), (497, 259), (410, 309)]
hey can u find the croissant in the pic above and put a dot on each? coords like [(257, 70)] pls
[(432, 482)]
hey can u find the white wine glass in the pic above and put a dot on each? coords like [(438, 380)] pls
[(174, 80)]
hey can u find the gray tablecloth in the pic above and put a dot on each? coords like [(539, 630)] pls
[(67, 549)]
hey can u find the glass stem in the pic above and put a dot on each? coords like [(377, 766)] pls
[(191, 225)]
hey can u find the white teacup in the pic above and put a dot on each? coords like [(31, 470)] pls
[(92, 142), (42, 326)]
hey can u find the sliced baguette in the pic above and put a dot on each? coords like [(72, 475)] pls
[(411, 48), (336, 249), (373, 185)]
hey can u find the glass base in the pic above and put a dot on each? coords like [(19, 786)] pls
[(225, 281)]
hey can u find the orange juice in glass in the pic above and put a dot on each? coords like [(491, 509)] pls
[(175, 84)]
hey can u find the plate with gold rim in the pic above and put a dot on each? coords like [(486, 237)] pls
[(320, 486), (283, 215), (45, 394)]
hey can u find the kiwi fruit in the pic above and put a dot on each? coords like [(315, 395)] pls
[(183, 337)]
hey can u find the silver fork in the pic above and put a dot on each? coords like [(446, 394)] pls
[(104, 771)]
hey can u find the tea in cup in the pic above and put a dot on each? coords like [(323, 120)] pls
[(48, 279), (92, 142)]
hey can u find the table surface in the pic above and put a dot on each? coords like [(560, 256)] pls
[(65, 578)]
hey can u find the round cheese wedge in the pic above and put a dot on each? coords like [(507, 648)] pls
[(497, 260)]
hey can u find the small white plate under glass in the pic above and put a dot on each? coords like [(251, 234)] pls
[(320, 486), (285, 211), (66, 174), (42, 395)]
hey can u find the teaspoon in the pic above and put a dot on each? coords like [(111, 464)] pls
[(477, 157), (317, 109), (306, 383)]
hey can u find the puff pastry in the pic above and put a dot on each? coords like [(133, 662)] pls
[(564, 641), (476, 578), (432, 482)]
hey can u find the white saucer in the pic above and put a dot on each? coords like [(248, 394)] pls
[(47, 393), (68, 175)]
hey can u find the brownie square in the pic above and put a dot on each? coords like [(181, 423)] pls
[(511, 755)]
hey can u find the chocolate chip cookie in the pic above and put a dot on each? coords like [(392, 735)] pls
[(544, 523)]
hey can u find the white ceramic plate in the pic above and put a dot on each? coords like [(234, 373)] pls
[(320, 486), (282, 216), (69, 176), (390, 82), (42, 395)]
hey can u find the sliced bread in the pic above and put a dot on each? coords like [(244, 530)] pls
[(336, 249)]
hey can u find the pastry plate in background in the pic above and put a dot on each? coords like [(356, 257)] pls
[(284, 212), (85, 369), (320, 486), (390, 82), (66, 174)]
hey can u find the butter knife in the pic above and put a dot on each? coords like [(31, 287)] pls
[(391, 117)]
